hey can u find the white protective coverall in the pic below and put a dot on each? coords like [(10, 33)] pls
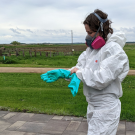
[(102, 72)]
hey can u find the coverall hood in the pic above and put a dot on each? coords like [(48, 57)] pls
[(118, 37)]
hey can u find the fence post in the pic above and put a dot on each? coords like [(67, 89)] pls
[(9, 53), (30, 53), (40, 53), (0, 52), (16, 52), (46, 54), (50, 54), (35, 53), (23, 53), (64, 53)]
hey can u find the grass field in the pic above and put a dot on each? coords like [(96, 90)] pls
[(38, 46), (56, 61), (26, 92), (40, 61)]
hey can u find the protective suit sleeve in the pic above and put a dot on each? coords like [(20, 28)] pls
[(81, 61), (122, 76), (110, 68)]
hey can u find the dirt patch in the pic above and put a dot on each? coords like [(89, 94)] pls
[(26, 70), (36, 70)]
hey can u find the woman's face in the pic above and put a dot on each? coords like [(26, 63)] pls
[(89, 31)]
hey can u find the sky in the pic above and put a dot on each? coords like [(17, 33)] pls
[(51, 21)]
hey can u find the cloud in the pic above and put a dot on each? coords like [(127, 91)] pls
[(51, 21), (6, 36), (20, 29), (15, 31), (129, 32), (52, 36), (29, 30), (37, 35)]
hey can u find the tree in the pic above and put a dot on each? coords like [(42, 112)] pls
[(15, 43)]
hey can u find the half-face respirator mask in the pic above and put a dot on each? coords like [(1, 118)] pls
[(96, 42)]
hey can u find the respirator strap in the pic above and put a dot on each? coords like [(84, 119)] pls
[(95, 34), (101, 20)]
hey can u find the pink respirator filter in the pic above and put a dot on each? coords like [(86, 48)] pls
[(98, 42)]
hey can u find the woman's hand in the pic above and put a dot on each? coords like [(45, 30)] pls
[(74, 70)]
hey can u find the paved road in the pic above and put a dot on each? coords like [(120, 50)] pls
[(37, 70), (13, 123)]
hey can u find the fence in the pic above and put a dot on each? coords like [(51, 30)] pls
[(48, 52)]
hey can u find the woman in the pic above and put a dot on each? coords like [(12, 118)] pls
[(102, 68)]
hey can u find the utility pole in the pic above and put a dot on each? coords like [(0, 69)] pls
[(72, 37), (72, 41)]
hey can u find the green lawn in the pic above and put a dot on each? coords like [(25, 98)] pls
[(28, 93), (39, 61)]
